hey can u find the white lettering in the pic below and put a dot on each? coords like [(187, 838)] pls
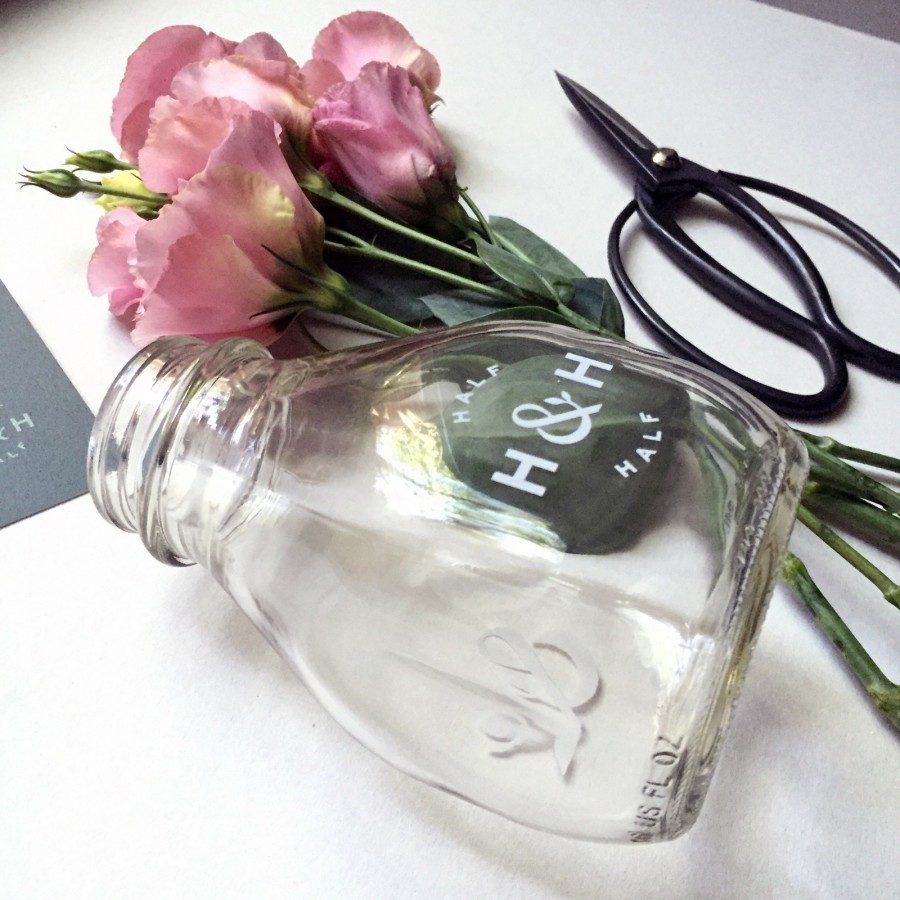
[(626, 469), (18, 423), (653, 437), (519, 478), (494, 369), (460, 416), (475, 384), (645, 455), (646, 418), (545, 417), (584, 366), (464, 398)]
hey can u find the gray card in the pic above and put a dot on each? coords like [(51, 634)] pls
[(44, 423)]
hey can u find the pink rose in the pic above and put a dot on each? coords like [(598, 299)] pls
[(111, 269), (376, 133), (186, 138), (350, 42), (149, 74)]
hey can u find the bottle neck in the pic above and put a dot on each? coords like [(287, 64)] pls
[(167, 457)]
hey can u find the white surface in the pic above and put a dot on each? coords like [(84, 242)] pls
[(151, 744)]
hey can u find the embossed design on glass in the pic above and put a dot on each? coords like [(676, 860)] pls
[(520, 563), (553, 720)]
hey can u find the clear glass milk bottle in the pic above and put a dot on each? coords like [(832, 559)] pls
[(519, 563)]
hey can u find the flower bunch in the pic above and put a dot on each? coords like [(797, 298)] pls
[(250, 189), (249, 186)]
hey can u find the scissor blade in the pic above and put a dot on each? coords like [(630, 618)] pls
[(609, 125)]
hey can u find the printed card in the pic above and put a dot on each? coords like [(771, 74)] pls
[(44, 423)]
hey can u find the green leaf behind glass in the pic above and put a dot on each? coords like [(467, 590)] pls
[(587, 502)]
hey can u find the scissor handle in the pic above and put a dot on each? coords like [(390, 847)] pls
[(857, 349), (656, 212)]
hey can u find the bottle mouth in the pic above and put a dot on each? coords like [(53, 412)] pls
[(134, 426)]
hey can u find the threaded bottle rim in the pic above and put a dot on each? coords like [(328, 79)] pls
[(132, 432)]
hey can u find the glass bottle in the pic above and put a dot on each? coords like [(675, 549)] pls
[(520, 563)]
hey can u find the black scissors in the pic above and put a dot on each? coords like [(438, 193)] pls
[(663, 180)]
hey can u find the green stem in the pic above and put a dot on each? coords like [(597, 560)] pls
[(583, 324), (360, 312), (149, 199), (365, 249), (338, 299), (370, 252), (348, 236), (716, 492), (884, 584), (480, 217), (339, 200), (830, 470), (857, 514), (718, 442), (857, 454), (884, 693)]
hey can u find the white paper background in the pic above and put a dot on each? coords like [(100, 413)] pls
[(152, 745)]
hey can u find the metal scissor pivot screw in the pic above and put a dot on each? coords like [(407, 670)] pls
[(666, 158)]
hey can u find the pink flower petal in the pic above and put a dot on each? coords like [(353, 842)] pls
[(352, 41), (185, 138), (182, 136), (149, 73), (262, 46), (110, 268), (247, 206), (252, 143), (379, 133), (210, 288), (273, 87), (319, 75)]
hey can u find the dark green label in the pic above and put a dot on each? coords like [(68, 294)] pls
[(583, 444)]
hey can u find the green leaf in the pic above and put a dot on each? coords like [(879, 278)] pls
[(388, 289), (516, 271), (612, 317), (526, 313), (527, 245), (594, 299), (456, 307)]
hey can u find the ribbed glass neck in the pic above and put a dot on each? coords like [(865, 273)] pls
[(132, 439)]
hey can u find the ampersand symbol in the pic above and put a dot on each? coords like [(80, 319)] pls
[(545, 418)]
